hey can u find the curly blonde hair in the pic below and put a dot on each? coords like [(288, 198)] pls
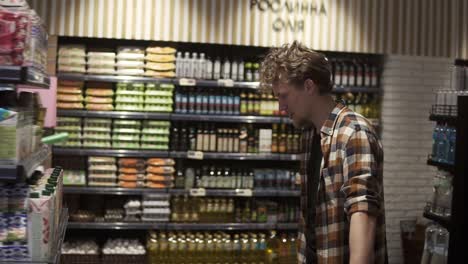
[(293, 64)]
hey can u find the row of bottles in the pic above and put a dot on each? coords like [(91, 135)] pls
[(221, 247), (362, 103), (436, 245), (443, 144), (228, 210), (201, 67), (234, 139), (217, 177), (442, 194), (353, 72), (218, 101)]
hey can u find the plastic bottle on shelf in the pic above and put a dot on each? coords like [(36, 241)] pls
[(248, 72), (226, 69), (208, 73), (240, 70), (193, 65), (234, 70), (435, 142), (452, 139), (442, 149), (179, 65), (217, 69), (200, 69), (186, 65), (256, 72)]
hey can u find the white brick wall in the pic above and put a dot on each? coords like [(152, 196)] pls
[(408, 85)]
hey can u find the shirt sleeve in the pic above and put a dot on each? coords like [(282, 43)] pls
[(362, 177)]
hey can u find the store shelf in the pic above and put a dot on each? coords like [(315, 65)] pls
[(237, 156), (140, 191), (18, 172), (110, 152), (111, 78), (182, 226), (441, 220), (115, 114), (355, 89), (56, 247), (24, 75), (441, 165), (230, 118), (451, 120)]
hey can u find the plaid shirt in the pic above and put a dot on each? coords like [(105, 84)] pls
[(350, 181)]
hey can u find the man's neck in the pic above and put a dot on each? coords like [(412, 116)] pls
[(322, 111)]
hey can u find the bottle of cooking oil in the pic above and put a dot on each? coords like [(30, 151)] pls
[(152, 245)]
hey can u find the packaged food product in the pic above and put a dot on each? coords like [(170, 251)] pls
[(158, 185), (157, 123), (126, 137), (125, 92), (126, 130), (159, 74), (131, 177), (73, 69), (130, 49), (137, 72), (152, 146), (96, 135), (72, 61), (125, 144), (75, 105), (72, 50), (131, 87), (99, 92), (129, 99), (158, 100), (130, 64), (155, 131), (102, 175), (68, 83), (131, 162), (107, 70), (101, 160), (159, 178), (160, 162), (155, 139), (129, 107), (160, 58), (63, 119), (130, 56), (158, 93), (69, 97), (68, 90), (98, 100), (161, 50), (96, 143), (132, 184), (100, 107), (157, 108), (155, 66), (162, 170), (166, 86), (71, 134), (100, 55), (70, 143), (100, 183), (97, 63), (126, 123)]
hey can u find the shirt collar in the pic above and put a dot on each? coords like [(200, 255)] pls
[(329, 124)]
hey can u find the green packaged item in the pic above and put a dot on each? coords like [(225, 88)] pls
[(74, 177), (126, 130), (97, 135), (133, 99), (166, 86), (158, 93), (125, 144), (97, 129), (158, 100), (148, 123), (158, 108), (155, 138), (127, 123), (131, 87), (129, 107), (96, 143), (155, 146), (69, 143), (155, 131), (68, 128), (125, 92), (126, 137)]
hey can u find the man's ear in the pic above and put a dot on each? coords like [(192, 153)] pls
[(310, 87)]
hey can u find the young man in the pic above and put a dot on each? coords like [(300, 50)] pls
[(343, 216)]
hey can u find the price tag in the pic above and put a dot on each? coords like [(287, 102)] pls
[(226, 82), (293, 157), (187, 82), (198, 192), (244, 192), (198, 155)]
